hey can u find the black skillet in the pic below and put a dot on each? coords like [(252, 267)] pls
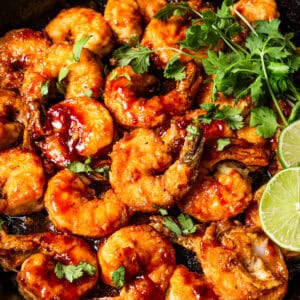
[(36, 14)]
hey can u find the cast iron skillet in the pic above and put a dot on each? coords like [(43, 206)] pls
[(36, 14)]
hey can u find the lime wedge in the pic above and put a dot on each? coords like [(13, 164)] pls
[(289, 145), (279, 209)]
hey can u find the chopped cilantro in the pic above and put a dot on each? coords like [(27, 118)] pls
[(172, 225), (161, 210), (45, 88), (187, 224), (173, 9), (88, 93), (222, 143), (78, 46), (118, 276)]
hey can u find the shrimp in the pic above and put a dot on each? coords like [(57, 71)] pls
[(22, 181), (220, 197), (38, 279), (80, 127), (19, 50), (67, 195), (126, 17), (254, 10), (75, 23), (11, 118), (142, 172), (144, 253), (189, 285), (122, 96), (242, 263)]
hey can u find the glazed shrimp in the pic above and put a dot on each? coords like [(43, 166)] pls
[(67, 195), (220, 197), (189, 285), (144, 253), (22, 182), (19, 50), (80, 127), (254, 10), (126, 18), (37, 278), (75, 23), (11, 118), (242, 263), (123, 90), (143, 174)]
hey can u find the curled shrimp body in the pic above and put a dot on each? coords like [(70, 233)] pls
[(37, 278), (19, 50), (220, 197), (143, 172), (75, 23), (254, 10), (22, 181), (189, 285), (80, 127), (67, 195), (242, 263), (123, 98), (126, 18), (143, 252)]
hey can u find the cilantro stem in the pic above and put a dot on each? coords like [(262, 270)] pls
[(178, 51), (244, 20), (224, 38), (294, 90), (270, 89)]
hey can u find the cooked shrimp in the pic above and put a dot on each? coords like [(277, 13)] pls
[(123, 98), (142, 172), (67, 195), (37, 278), (254, 10), (126, 18), (75, 23), (143, 252), (22, 181), (189, 285), (20, 49), (242, 263), (85, 75), (80, 127), (220, 197)]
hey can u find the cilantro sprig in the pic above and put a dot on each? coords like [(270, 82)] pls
[(73, 272), (118, 276)]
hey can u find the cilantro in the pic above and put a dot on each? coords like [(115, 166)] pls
[(63, 73), (174, 69), (222, 143), (172, 225), (45, 88), (264, 118), (161, 210), (173, 9), (72, 272), (104, 171), (88, 93), (187, 224), (295, 113), (193, 131), (118, 276), (78, 46)]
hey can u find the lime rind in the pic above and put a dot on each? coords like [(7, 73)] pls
[(289, 145), (279, 209)]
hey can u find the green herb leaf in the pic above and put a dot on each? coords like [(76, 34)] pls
[(193, 131), (88, 93), (79, 167), (104, 171), (161, 210), (174, 69), (172, 225), (78, 46), (187, 224), (72, 272), (118, 276), (45, 88), (222, 143), (295, 113), (173, 9), (138, 57), (265, 120)]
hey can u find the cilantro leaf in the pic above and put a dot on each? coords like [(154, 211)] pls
[(104, 171), (222, 143), (1, 223), (173, 9), (45, 88), (88, 93), (118, 276), (265, 121), (193, 131), (232, 115), (79, 167), (172, 225), (78, 46), (187, 224), (295, 113), (138, 57), (174, 69), (72, 272), (161, 210)]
